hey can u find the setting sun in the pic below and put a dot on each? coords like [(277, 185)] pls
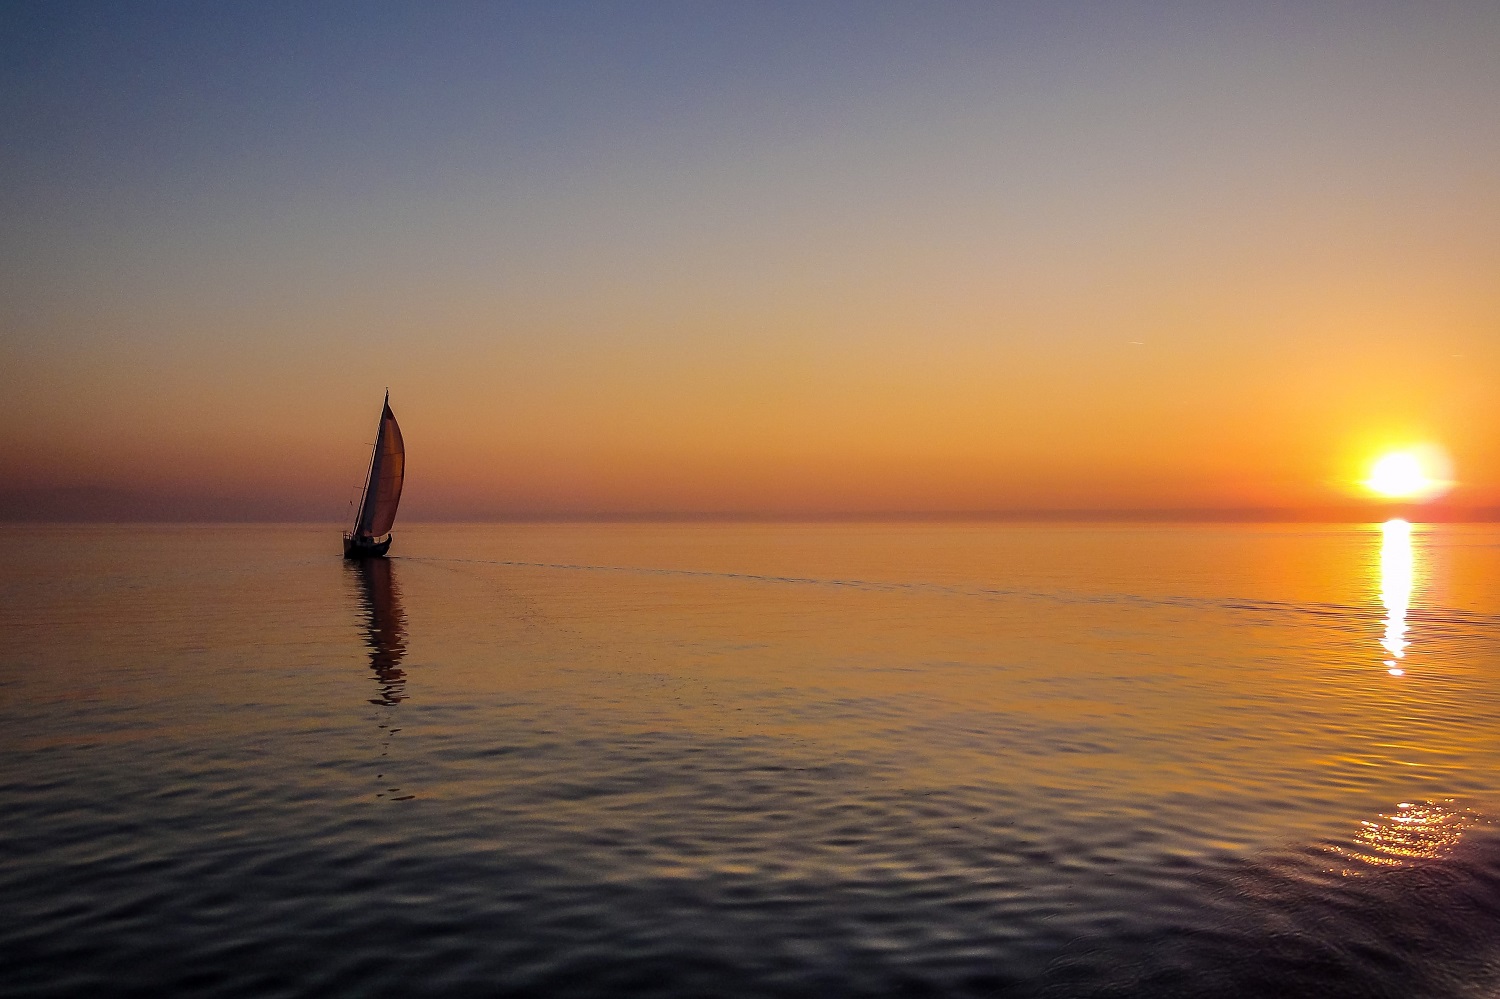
[(1416, 473), (1398, 474)]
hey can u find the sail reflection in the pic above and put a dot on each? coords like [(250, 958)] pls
[(1397, 571), (385, 627)]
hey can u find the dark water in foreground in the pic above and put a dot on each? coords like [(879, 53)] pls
[(751, 760)]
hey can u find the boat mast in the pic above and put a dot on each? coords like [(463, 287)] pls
[(364, 498)]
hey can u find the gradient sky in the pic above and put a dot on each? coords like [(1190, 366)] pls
[(791, 258)]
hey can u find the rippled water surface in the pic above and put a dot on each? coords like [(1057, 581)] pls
[(692, 760)]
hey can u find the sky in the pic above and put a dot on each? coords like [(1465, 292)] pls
[(746, 258)]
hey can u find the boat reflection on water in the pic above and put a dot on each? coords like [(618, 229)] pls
[(385, 626), (1397, 572), (385, 641)]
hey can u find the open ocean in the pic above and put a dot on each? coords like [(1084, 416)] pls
[(751, 760)]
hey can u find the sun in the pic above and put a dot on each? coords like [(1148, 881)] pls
[(1415, 473), (1398, 474)]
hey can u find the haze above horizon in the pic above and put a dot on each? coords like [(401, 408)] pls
[(702, 259)]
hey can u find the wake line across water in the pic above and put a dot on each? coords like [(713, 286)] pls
[(1327, 613)]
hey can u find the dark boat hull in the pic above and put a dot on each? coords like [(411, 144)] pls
[(356, 548)]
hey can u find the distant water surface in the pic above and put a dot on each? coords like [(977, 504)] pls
[(751, 760)]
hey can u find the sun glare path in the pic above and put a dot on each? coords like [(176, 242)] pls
[(1397, 571)]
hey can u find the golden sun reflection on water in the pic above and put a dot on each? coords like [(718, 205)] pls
[(1415, 830), (1397, 572), (1420, 830)]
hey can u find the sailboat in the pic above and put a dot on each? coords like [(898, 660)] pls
[(370, 537)]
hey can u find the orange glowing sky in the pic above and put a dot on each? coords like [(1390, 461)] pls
[(700, 258)]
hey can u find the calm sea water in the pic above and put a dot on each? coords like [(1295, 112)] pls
[(766, 760)]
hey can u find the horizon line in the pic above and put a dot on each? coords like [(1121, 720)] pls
[(106, 505), (1182, 515)]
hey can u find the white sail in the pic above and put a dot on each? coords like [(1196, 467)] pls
[(377, 512)]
